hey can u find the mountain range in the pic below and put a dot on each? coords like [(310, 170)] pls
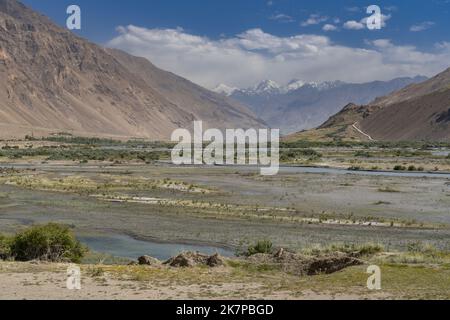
[(54, 81), (417, 112), (301, 105)]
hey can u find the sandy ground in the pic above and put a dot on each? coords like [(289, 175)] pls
[(28, 281)]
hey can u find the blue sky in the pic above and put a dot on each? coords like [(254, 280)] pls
[(163, 30)]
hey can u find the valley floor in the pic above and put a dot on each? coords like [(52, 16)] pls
[(117, 194)]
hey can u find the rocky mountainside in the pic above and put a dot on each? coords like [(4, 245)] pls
[(53, 81), (299, 105), (417, 112)]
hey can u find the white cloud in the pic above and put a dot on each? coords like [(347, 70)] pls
[(329, 27), (362, 24), (281, 17), (354, 25), (314, 19), (384, 19), (247, 58), (422, 26)]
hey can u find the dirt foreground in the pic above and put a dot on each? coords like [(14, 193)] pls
[(234, 281)]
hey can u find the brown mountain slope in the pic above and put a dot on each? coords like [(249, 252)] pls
[(342, 126), (204, 104), (423, 118), (51, 80), (417, 112), (437, 83)]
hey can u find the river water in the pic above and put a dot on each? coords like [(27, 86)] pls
[(127, 247)]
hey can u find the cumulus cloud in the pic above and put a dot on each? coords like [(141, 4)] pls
[(329, 27), (247, 58), (362, 24), (281, 17), (313, 20), (422, 26), (354, 25)]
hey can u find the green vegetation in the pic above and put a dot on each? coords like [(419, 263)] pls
[(262, 246), (50, 242), (68, 138), (422, 145), (84, 154), (356, 250), (292, 155), (5, 247)]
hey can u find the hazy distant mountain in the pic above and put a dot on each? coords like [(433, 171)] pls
[(300, 105), (52, 81)]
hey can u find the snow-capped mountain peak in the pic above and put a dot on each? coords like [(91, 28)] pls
[(294, 85), (270, 87), (266, 86), (325, 85), (224, 89)]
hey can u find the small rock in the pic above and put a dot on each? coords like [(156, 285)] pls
[(279, 253), (215, 261), (330, 264), (148, 261), (192, 259)]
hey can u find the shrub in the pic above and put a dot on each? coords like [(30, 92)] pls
[(5, 247), (357, 250), (51, 242), (262, 246), (291, 155), (399, 168)]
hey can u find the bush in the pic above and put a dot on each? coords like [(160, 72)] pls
[(263, 246), (5, 247), (292, 155), (356, 250), (51, 242)]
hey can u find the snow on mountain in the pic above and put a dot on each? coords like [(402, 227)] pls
[(295, 85), (224, 89), (266, 86), (321, 86), (303, 105), (270, 87)]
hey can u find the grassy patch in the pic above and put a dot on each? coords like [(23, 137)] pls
[(388, 190)]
